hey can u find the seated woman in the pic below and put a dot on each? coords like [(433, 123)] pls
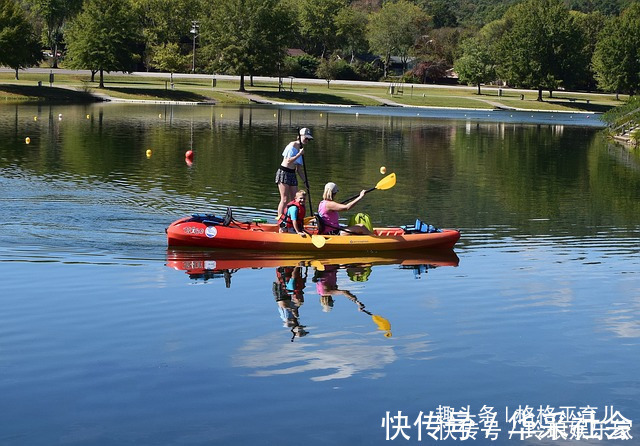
[(328, 211)]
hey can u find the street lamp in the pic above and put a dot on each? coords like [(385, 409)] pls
[(194, 30)]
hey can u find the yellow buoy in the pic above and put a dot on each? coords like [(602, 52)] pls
[(148, 153), (383, 170), (88, 117), (35, 118), (160, 115), (27, 140)]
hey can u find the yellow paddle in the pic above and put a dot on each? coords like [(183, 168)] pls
[(382, 323), (386, 183), (317, 264), (318, 240)]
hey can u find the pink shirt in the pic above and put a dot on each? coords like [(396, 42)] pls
[(331, 218), (328, 281)]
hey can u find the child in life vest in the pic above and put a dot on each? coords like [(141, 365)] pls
[(292, 220)]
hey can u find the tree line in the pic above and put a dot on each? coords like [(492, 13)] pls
[(540, 44)]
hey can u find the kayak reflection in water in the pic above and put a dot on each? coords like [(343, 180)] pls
[(327, 287), (288, 291)]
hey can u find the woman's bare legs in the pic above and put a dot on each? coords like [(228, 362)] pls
[(287, 193)]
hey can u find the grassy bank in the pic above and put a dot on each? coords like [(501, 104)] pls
[(75, 88), (30, 93)]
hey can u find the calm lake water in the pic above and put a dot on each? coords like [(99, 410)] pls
[(109, 338)]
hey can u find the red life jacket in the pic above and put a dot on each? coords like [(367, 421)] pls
[(285, 219)]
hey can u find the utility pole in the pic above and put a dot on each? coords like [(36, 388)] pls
[(194, 30)]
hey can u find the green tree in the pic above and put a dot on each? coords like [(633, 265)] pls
[(491, 35), (166, 22), (590, 26), (300, 66), (608, 7), (329, 69), (540, 45), (19, 47), (54, 14), (442, 45), (317, 25), (394, 30), (476, 65), (246, 36), (351, 27), (441, 11), (167, 57), (616, 59), (103, 37)]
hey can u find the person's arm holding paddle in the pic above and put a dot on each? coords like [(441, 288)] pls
[(329, 211), (339, 207)]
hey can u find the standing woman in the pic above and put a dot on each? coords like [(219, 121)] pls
[(291, 163)]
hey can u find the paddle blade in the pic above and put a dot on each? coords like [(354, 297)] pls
[(317, 265), (387, 182), (381, 322), (318, 240)]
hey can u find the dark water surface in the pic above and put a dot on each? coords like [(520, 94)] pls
[(109, 338)]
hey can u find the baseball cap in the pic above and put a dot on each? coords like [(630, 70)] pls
[(306, 133), (331, 186)]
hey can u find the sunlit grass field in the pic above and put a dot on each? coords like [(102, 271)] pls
[(79, 88)]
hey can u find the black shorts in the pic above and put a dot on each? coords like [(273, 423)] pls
[(287, 176)]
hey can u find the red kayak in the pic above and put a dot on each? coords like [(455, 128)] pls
[(208, 231)]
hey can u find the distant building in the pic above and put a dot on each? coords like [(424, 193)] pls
[(294, 52)]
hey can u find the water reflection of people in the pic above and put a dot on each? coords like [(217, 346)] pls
[(327, 287), (288, 291)]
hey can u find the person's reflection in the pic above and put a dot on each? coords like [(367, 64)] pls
[(288, 291), (327, 287)]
